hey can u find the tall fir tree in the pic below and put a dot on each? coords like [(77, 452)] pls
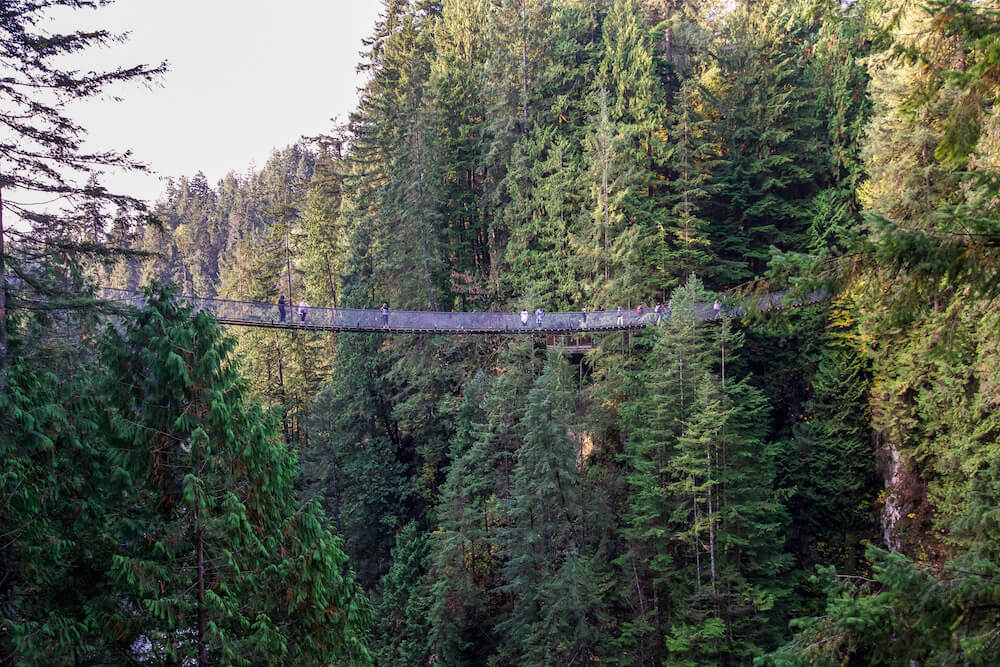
[(549, 571), (212, 565)]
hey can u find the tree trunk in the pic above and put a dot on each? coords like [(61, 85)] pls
[(281, 392), (288, 264), (524, 67), (697, 549), (606, 212), (331, 277), (420, 207), (334, 489), (3, 303), (427, 277), (711, 523), (202, 620)]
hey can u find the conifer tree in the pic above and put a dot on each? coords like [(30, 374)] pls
[(213, 563), (515, 63), (457, 106), (466, 604), (403, 617), (323, 234), (540, 216), (704, 523), (830, 464), (54, 510), (626, 80), (548, 569), (772, 146), (608, 244), (43, 152), (683, 236), (461, 562)]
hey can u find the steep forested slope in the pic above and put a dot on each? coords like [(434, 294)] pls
[(816, 484)]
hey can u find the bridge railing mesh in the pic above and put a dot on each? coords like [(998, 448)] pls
[(268, 314), (367, 320)]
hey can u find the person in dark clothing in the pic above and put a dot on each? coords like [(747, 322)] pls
[(281, 308), (583, 314), (385, 315)]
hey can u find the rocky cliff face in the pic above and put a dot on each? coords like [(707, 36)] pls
[(907, 511), (893, 506)]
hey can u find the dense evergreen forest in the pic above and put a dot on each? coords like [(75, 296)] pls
[(817, 484)]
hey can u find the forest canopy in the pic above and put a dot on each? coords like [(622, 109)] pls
[(815, 484)]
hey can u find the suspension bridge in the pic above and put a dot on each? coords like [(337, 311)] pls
[(260, 314), (320, 318)]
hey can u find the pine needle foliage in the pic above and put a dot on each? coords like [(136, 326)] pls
[(219, 560)]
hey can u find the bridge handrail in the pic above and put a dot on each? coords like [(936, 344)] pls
[(365, 319), (256, 313)]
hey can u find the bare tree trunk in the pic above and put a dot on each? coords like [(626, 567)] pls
[(724, 361), (638, 590), (427, 273), (288, 264), (202, 620), (711, 520), (697, 550), (3, 303), (606, 213), (332, 280), (426, 232), (711, 523), (281, 392), (681, 375), (524, 67)]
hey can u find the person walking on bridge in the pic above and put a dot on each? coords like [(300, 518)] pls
[(538, 317), (385, 315), (583, 315), (281, 309), (621, 317), (303, 311), (524, 317)]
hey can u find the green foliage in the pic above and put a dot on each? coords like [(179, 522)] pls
[(365, 441), (404, 623), (466, 603), (207, 513), (905, 613), (704, 522), (683, 236), (772, 147), (157, 509), (661, 500), (549, 571), (53, 480)]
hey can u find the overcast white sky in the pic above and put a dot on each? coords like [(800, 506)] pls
[(246, 77)]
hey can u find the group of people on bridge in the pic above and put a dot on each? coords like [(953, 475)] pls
[(303, 310), (659, 312)]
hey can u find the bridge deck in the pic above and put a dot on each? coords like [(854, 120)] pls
[(258, 314), (313, 326)]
